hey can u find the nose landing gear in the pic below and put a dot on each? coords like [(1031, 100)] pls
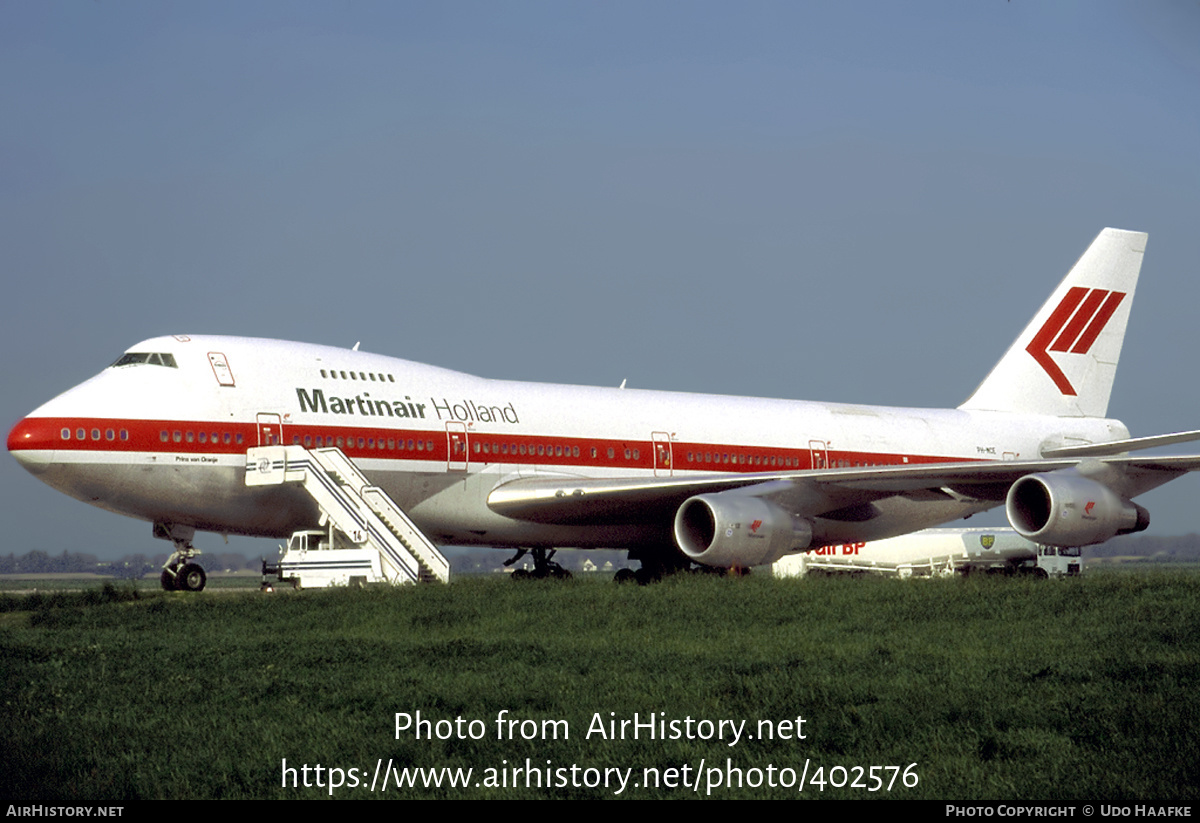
[(180, 573)]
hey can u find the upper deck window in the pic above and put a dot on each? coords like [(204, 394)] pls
[(151, 358)]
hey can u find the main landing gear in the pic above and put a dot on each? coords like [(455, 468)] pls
[(180, 572), (660, 563), (543, 565)]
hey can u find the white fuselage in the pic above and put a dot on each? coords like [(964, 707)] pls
[(166, 442)]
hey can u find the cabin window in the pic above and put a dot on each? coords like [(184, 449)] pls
[(65, 434)]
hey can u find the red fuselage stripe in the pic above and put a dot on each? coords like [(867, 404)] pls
[(184, 437)]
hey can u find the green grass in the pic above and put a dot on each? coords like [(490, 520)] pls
[(995, 688)]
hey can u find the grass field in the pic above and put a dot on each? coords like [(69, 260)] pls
[(995, 689)]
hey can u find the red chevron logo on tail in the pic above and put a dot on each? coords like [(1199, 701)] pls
[(1073, 327)]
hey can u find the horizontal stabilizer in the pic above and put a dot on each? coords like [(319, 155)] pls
[(1122, 446)]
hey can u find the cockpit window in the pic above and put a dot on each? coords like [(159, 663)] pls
[(151, 358)]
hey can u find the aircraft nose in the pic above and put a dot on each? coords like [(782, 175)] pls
[(32, 442)]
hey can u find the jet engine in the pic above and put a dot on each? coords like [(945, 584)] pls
[(1066, 509), (729, 529)]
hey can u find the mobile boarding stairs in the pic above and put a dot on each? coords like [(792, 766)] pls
[(365, 536)]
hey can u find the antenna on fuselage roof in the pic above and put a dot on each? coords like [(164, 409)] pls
[(356, 345), (622, 384)]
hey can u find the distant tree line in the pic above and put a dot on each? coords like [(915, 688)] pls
[(136, 566), (129, 567), (1182, 549)]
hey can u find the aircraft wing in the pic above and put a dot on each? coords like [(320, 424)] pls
[(830, 493)]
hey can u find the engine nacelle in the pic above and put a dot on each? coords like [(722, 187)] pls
[(729, 529), (1066, 509)]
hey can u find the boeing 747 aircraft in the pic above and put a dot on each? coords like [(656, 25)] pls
[(163, 434)]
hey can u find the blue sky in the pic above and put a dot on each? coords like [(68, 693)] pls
[(862, 202)]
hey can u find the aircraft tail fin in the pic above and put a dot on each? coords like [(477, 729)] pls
[(1065, 360)]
